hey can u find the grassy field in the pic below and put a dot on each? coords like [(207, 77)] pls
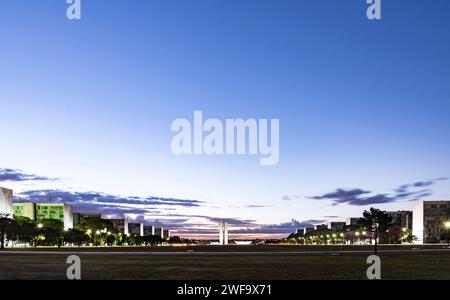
[(233, 248), (427, 265)]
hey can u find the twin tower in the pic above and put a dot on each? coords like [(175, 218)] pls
[(223, 233)]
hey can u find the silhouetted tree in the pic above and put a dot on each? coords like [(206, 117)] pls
[(6, 224), (375, 221), (175, 240)]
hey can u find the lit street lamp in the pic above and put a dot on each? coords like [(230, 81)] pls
[(447, 225)]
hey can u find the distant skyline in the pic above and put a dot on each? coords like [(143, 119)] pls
[(161, 211), (363, 107)]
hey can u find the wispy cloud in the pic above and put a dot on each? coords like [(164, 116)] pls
[(18, 175), (359, 197), (257, 206), (104, 203), (281, 228), (289, 198)]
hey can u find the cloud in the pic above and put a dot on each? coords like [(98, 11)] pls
[(289, 198), (18, 175), (282, 228), (342, 196), (104, 203), (360, 197), (257, 206), (230, 221)]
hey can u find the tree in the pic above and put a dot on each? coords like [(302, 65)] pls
[(25, 230), (6, 225), (175, 240), (153, 240), (76, 237), (52, 230), (376, 222), (96, 224)]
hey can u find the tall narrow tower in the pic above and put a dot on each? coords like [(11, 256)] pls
[(223, 233)]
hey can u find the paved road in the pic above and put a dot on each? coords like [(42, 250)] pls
[(25, 252)]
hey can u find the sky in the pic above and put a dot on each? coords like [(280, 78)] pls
[(87, 105)]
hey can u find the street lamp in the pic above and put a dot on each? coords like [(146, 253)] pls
[(447, 225), (342, 237), (40, 225)]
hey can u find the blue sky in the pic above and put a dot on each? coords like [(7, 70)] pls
[(362, 104)]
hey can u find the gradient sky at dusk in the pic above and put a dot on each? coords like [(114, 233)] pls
[(363, 106)]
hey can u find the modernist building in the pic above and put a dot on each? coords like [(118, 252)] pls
[(159, 232), (335, 225), (27, 210), (320, 227), (223, 233), (55, 211), (6, 205), (77, 217), (428, 220), (121, 225), (149, 230), (403, 219), (166, 234), (42, 211), (136, 229), (352, 221)]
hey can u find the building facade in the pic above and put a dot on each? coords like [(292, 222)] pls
[(402, 218), (223, 233), (428, 221), (166, 234), (159, 232), (45, 211), (149, 230), (27, 210), (320, 227), (78, 217), (136, 229), (55, 211), (6, 204), (335, 225), (352, 221), (121, 225), (307, 230)]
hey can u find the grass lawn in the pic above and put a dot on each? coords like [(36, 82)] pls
[(233, 248), (235, 267)]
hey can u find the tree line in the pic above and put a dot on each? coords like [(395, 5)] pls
[(92, 231)]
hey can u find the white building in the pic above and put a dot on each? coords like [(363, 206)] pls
[(223, 233), (428, 221), (6, 205)]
